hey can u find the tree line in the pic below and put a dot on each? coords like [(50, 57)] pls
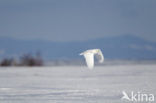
[(24, 60)]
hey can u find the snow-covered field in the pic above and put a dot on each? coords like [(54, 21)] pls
[(75, 84)]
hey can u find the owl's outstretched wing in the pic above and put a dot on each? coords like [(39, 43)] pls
[(89, 57)]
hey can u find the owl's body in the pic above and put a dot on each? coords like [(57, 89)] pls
[(89, 57)]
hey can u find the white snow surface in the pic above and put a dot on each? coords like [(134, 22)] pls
[(75, 84)]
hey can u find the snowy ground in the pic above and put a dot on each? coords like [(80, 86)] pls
[(70, 84)]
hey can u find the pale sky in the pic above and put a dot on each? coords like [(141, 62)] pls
[(76, 20)]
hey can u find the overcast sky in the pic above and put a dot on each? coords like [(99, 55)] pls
[(75, 20)]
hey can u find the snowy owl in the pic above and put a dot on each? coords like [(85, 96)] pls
[(89, 57)]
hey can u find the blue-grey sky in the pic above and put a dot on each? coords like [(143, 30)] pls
[(75, 20)]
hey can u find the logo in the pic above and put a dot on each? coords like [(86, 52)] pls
[(137, 97)]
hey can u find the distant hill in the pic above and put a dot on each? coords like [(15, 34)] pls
[(120, 47)]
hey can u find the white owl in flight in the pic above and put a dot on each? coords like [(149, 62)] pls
[(89, 57)]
